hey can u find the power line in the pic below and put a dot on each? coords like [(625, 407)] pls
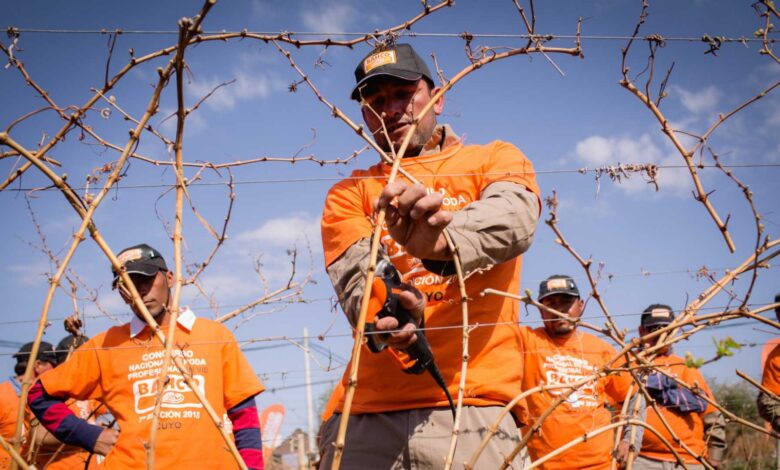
[(326, 34), (245, 342), (583, 170)]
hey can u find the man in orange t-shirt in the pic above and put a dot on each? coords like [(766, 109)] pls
[(768, 406), (699, 425), (559, 354), (52, 454), (120, 368), (487, 199), (11, 389)]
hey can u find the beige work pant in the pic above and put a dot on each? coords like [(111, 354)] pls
[(419, 440)]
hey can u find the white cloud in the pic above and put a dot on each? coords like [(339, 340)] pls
[(246, 87), (285, 232), (676, 181), (195, 122), (226, 288), (599, 151), (764, 74), (330, 17), (30, 274), (699, 101)]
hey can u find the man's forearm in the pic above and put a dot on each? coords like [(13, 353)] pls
[(348, 276), (59, 420), (496, 228), (246, 431)]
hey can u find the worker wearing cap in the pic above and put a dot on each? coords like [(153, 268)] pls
[(699, 425), (51, 454), (487, 199), (120, 368), (769, 406), (12, 388), (558, 353)]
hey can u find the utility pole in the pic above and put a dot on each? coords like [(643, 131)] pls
[(309, 403), (302, 464)]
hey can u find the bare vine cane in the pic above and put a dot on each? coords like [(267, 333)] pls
[(594, 433), (654, 106), (74, 119), (710, 293), (17, 459), (731, 416), (493, 428), (87, 213), (185, 25), (552, 222), (769, 11), (760, 387)]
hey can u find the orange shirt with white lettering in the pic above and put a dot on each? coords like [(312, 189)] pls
[(771, 376), (689, 427), (460, 173), (559, 361), (121, 371), (9, 408)]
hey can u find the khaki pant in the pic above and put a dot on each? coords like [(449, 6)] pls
[(643, 463), (419, 439)]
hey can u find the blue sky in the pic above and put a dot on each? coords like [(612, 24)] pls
[(651, 243)]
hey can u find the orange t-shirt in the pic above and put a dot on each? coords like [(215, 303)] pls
[(9, 407), (566, 360), (689, 427), (121, 372), (460, 173), (771, 376)]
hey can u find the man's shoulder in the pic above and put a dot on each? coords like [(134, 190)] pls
[(356, 180), (207, 326), (112, 336), (492, 146), (538, 334), (6, 388), (594, 343)]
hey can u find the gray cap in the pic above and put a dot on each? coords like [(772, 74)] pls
[(558, 284), (399, 60)]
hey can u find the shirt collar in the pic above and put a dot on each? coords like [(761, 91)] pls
[(15, 382), (443, 136), (186, 320)]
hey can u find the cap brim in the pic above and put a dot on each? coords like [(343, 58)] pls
[(402, 74), (544, 296), (137, 268)]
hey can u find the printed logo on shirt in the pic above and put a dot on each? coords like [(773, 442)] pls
[(562, 369), (412, 270), (176, 394)]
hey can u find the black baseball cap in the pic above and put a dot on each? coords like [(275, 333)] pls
[(657, 315), (45, 353), (558, 284), (139, 259), (399, 60), (63, 347)]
